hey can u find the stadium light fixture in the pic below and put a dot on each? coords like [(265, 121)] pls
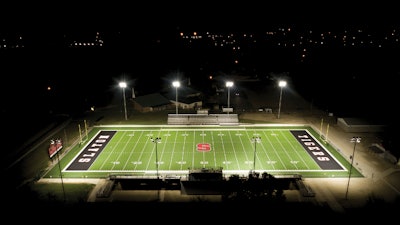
[(123, 86), (354, 140), (176, 84), (156, 141), (229, 84), (281, 84), (255, 140)]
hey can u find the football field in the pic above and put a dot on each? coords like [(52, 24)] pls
[(165, 151)]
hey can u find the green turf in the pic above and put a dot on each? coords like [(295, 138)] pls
[(131, 152)]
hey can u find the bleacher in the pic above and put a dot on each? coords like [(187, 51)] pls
[(304, 189), (105, 190), (203, 119)]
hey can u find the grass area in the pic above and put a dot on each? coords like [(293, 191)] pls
[(35, 195), (131, 151), (71, 193), (36, 163)]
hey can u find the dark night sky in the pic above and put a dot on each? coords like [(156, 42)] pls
[(91, 73), (355, 78)]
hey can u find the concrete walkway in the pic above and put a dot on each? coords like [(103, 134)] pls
[(382, 179)]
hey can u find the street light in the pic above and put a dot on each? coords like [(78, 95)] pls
[(123, 86), (156, 141), (255, 140), (281, 84), (229, 84), (354, 140), (176, 84)]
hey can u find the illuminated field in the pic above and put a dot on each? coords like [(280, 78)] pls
[(173, 151)]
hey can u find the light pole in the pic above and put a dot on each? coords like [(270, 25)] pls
[(229, 84), (354, 140), (62, 181), (255, 140), (281, 84), (123, 86), (176, 84), (156, 141)]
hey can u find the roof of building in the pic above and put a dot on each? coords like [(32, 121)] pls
[(152, 100)]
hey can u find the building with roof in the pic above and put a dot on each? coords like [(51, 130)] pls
[(151, 102)]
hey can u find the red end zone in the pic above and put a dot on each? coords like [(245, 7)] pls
[(205, 147)]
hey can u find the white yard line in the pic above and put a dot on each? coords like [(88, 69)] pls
[(294, 150), (276, 153), (112, 150), (234, 150)]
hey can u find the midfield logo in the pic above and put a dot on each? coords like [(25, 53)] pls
[(205, 147)]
